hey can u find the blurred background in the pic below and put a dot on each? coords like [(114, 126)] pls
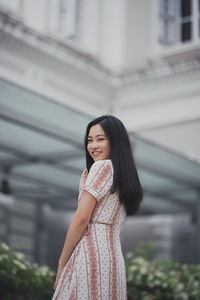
[(64, 62)]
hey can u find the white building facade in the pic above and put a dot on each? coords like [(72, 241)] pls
[(138, 60)]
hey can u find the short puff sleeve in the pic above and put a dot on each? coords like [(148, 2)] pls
[(82, 179), (99, 179)]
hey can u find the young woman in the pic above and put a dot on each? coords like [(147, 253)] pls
[(91, 265)]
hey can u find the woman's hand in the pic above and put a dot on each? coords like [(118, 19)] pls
[(59, 271)]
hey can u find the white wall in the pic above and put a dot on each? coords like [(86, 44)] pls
[(112, 37), (35, 14), (119, 34), (138, 33), (89, 23), (165, 110), (101, 29), (181, 137), (59, 81), (13, 6)]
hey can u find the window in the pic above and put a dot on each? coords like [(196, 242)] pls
[(178, 21), (168, 12), (68, 18), (199, 17), (185, 20)]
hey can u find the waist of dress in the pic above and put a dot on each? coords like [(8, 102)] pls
[(102, 223)]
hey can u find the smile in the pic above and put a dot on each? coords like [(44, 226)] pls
[(96, 152)]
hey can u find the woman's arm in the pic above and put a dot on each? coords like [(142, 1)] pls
[(76, 228)]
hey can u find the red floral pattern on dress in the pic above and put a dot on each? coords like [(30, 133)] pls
[(92, 255), (63, 278), (101, 177), (111, 236), (96, 268)]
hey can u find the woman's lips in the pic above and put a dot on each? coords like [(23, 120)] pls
[(95, 153)]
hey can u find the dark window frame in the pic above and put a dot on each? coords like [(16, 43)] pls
[(178, 21)]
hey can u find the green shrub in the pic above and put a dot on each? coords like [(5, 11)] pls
[(161, 280), (21, 280)]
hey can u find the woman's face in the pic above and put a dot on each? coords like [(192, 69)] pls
[(98, 144)]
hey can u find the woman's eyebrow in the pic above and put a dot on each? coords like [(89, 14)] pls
[(96, 135)]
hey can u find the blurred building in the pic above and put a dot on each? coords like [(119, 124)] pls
[(63, 62)]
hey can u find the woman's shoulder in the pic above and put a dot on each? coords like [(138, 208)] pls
[(102, 163), (101, 166)]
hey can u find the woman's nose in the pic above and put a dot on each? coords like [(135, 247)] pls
[(94, 145)]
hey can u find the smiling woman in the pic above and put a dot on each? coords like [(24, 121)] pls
[(106, 138), (98, 143), (91, 265)]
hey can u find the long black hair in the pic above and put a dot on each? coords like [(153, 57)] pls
[(125, 181)]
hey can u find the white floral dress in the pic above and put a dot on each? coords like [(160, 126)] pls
[(96, 268)]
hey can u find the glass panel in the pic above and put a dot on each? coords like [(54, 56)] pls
[(185, 8), (160, 170), (163, 159), (172, 32), (167, 27), (6, 156), (185, 195), (50, 175), (161, 205), (186, 31), (18, 183), (171, 8), (78, 163), (30, 141), (155, 182), (41, 108)]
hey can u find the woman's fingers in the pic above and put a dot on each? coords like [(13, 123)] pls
[(55, 284), (57, 278)]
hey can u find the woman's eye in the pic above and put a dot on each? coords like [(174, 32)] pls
[(102, 139)]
